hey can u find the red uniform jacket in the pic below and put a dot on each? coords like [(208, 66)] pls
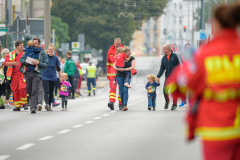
[(111, 72), (213, 78)]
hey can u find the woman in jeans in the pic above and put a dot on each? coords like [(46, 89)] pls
[(121, 78), (49, 77)]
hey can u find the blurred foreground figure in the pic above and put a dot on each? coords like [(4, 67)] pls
[(213, 79)]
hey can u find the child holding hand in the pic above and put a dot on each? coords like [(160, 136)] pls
[(151, 87), (64, 91)]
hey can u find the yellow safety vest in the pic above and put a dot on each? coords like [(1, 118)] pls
[(91, 71), (80, 71)]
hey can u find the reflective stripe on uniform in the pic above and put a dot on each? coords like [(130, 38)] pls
[(221, 95), (112, 94), (112, 97), (109, 64)]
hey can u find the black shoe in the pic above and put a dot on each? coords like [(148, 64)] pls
[(166, 105), (94, 93), (89, 94), (120, 107), (149, 108), (154, 109), (174, 106), (72, 97), (16, 109), (33, 111), (25, 107), (111, 105), (2, 107)]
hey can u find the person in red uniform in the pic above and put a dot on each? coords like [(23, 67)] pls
[(213, 78), (18, 82), (111, 72), (80, 79)]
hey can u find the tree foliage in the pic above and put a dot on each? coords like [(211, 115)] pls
[(99, 21), (197, 14), (61, 30)]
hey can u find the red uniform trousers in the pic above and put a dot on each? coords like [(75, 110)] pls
[(79, 85), (19, 90), (112, 93), (222, 150)]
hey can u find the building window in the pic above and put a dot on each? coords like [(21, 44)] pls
[(180, 20)]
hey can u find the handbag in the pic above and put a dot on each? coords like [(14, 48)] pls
[(134, 72)]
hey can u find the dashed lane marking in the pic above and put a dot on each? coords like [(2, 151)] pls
[(45, 138), (88, 122), (112, 111), (3, 157), (97, 118), (106, 115), (77, 126), (64, 131), (25, 146)]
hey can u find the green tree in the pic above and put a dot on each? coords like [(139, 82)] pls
[(197, 14), (61, 30), (99, 21)]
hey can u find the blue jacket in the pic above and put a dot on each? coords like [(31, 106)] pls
[(43, 62), (152, 91)]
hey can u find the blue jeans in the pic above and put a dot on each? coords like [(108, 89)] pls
[(123, 89), (125, 72), (151, 101), (89, 81)]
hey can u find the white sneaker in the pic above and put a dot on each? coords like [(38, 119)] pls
[(9, 105)]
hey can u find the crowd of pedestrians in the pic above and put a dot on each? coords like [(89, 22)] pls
[(33, 75)]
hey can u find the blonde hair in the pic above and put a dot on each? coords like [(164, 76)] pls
[(51, 45), (5, 50), (63, 60), (65, 75), (46, 51), (126, 49), (120, 50), (152, 76), (30, 43)]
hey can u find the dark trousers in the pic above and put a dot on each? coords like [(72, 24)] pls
[(71, 91), (8, 92), (48, 91), (89, 82), (64, 101), (32, 80), (75, 84), (166, 95), (57, 86), (3, 88)]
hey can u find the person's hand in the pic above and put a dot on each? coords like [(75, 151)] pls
[(16, 63), (148, 87), (35, 62), (60, 80), (158, 79), (121, 69)]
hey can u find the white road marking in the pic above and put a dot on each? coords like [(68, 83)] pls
[(3, 157), (64, 131), (97, 118), (106, 115), (25, 146), (77, 126), (88, 122), (45, 138), (112, 111)]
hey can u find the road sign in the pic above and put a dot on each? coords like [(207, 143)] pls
[(3, 29), (75, 46), (203, 36), (208, 28)]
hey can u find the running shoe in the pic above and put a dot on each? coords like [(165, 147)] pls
[(166, 105), (149, 108), (55, 104), (174, 107), (9, 105), (39, 106), (182, 104)]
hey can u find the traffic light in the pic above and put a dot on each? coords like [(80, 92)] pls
[(184, 28)]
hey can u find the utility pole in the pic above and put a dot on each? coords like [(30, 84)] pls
[(202, 15), (6, 19), (47, 23)]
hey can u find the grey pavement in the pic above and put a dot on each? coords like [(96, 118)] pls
[(90, 131)]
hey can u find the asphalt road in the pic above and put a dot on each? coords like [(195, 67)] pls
[(90, 131)]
